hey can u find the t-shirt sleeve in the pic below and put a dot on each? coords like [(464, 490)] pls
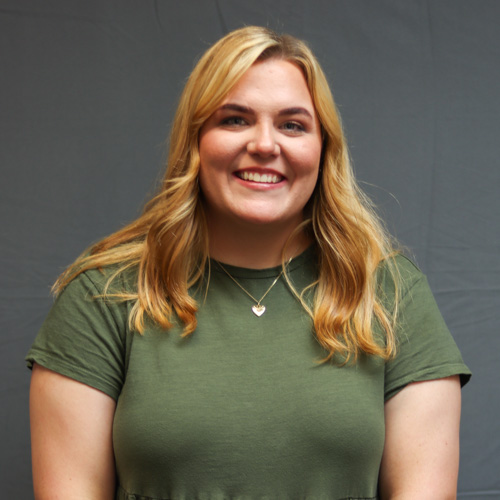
[(83, 336), (426, 349)]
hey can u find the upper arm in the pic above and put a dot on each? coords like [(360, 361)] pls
[(421, 452), (71, 438)]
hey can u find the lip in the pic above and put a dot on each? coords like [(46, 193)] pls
[(264, 177)]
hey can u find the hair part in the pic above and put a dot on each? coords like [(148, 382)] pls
[(168, 243)]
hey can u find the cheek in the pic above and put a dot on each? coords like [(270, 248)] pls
[(215, 153), (307, 169), (307, 160), (206, 154), (214, 161)]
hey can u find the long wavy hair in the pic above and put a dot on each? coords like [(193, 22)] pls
[(168, 243)]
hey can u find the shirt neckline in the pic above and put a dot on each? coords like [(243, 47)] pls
[(270, 272)]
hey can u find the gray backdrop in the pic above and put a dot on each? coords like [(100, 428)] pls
[(87, 93)]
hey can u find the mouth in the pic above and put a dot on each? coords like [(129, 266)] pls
[(259, 178)]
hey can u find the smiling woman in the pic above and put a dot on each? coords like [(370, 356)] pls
[(181, 359), (260, 153)]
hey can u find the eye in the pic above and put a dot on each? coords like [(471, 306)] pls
[(293, 127), (234, 121)]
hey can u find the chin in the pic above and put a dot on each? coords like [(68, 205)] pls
[(270, 220)]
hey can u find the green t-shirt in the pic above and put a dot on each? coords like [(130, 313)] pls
[(242, 408)]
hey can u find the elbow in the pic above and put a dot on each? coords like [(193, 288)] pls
[(421, 494)]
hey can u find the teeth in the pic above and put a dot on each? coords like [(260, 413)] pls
[(256, 177)]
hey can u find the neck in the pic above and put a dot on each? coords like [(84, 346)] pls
[(254, 247)]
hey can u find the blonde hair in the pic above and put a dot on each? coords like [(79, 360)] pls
[(168, 243)]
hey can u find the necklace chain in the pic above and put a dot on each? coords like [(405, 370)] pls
[(258, 309)]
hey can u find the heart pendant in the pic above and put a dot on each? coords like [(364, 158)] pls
[(259, 310)]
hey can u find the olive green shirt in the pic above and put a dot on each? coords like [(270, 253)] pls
[(242, 408)]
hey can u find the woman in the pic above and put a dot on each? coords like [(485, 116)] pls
[(253, 334)]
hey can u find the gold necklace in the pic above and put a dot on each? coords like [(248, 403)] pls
[(258, 309)]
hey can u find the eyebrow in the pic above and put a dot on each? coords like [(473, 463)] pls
[(284, 112), (295, 111)]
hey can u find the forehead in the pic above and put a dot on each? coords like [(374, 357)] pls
[(273, 81)]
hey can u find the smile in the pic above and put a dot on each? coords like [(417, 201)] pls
[(260, 178)]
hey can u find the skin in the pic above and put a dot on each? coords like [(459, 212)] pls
[(421, 453), (266, 125), (71, 445)]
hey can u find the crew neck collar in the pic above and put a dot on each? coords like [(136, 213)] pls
[(243, 272)]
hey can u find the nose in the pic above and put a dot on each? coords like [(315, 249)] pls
[(263, 142)]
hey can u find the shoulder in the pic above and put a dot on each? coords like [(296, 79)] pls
[(405, 267), (106, 280), (397, 275), (426, 349), (86, 335), (95, 299)]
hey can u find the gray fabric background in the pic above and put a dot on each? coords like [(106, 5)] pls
[(87, 93)]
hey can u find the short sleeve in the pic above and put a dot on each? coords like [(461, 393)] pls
[(84, 336), (425, 350)]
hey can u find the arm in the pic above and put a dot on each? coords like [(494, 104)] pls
[(71, 438), (420, 459)]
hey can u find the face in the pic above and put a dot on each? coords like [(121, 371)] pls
[(260, 150)]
